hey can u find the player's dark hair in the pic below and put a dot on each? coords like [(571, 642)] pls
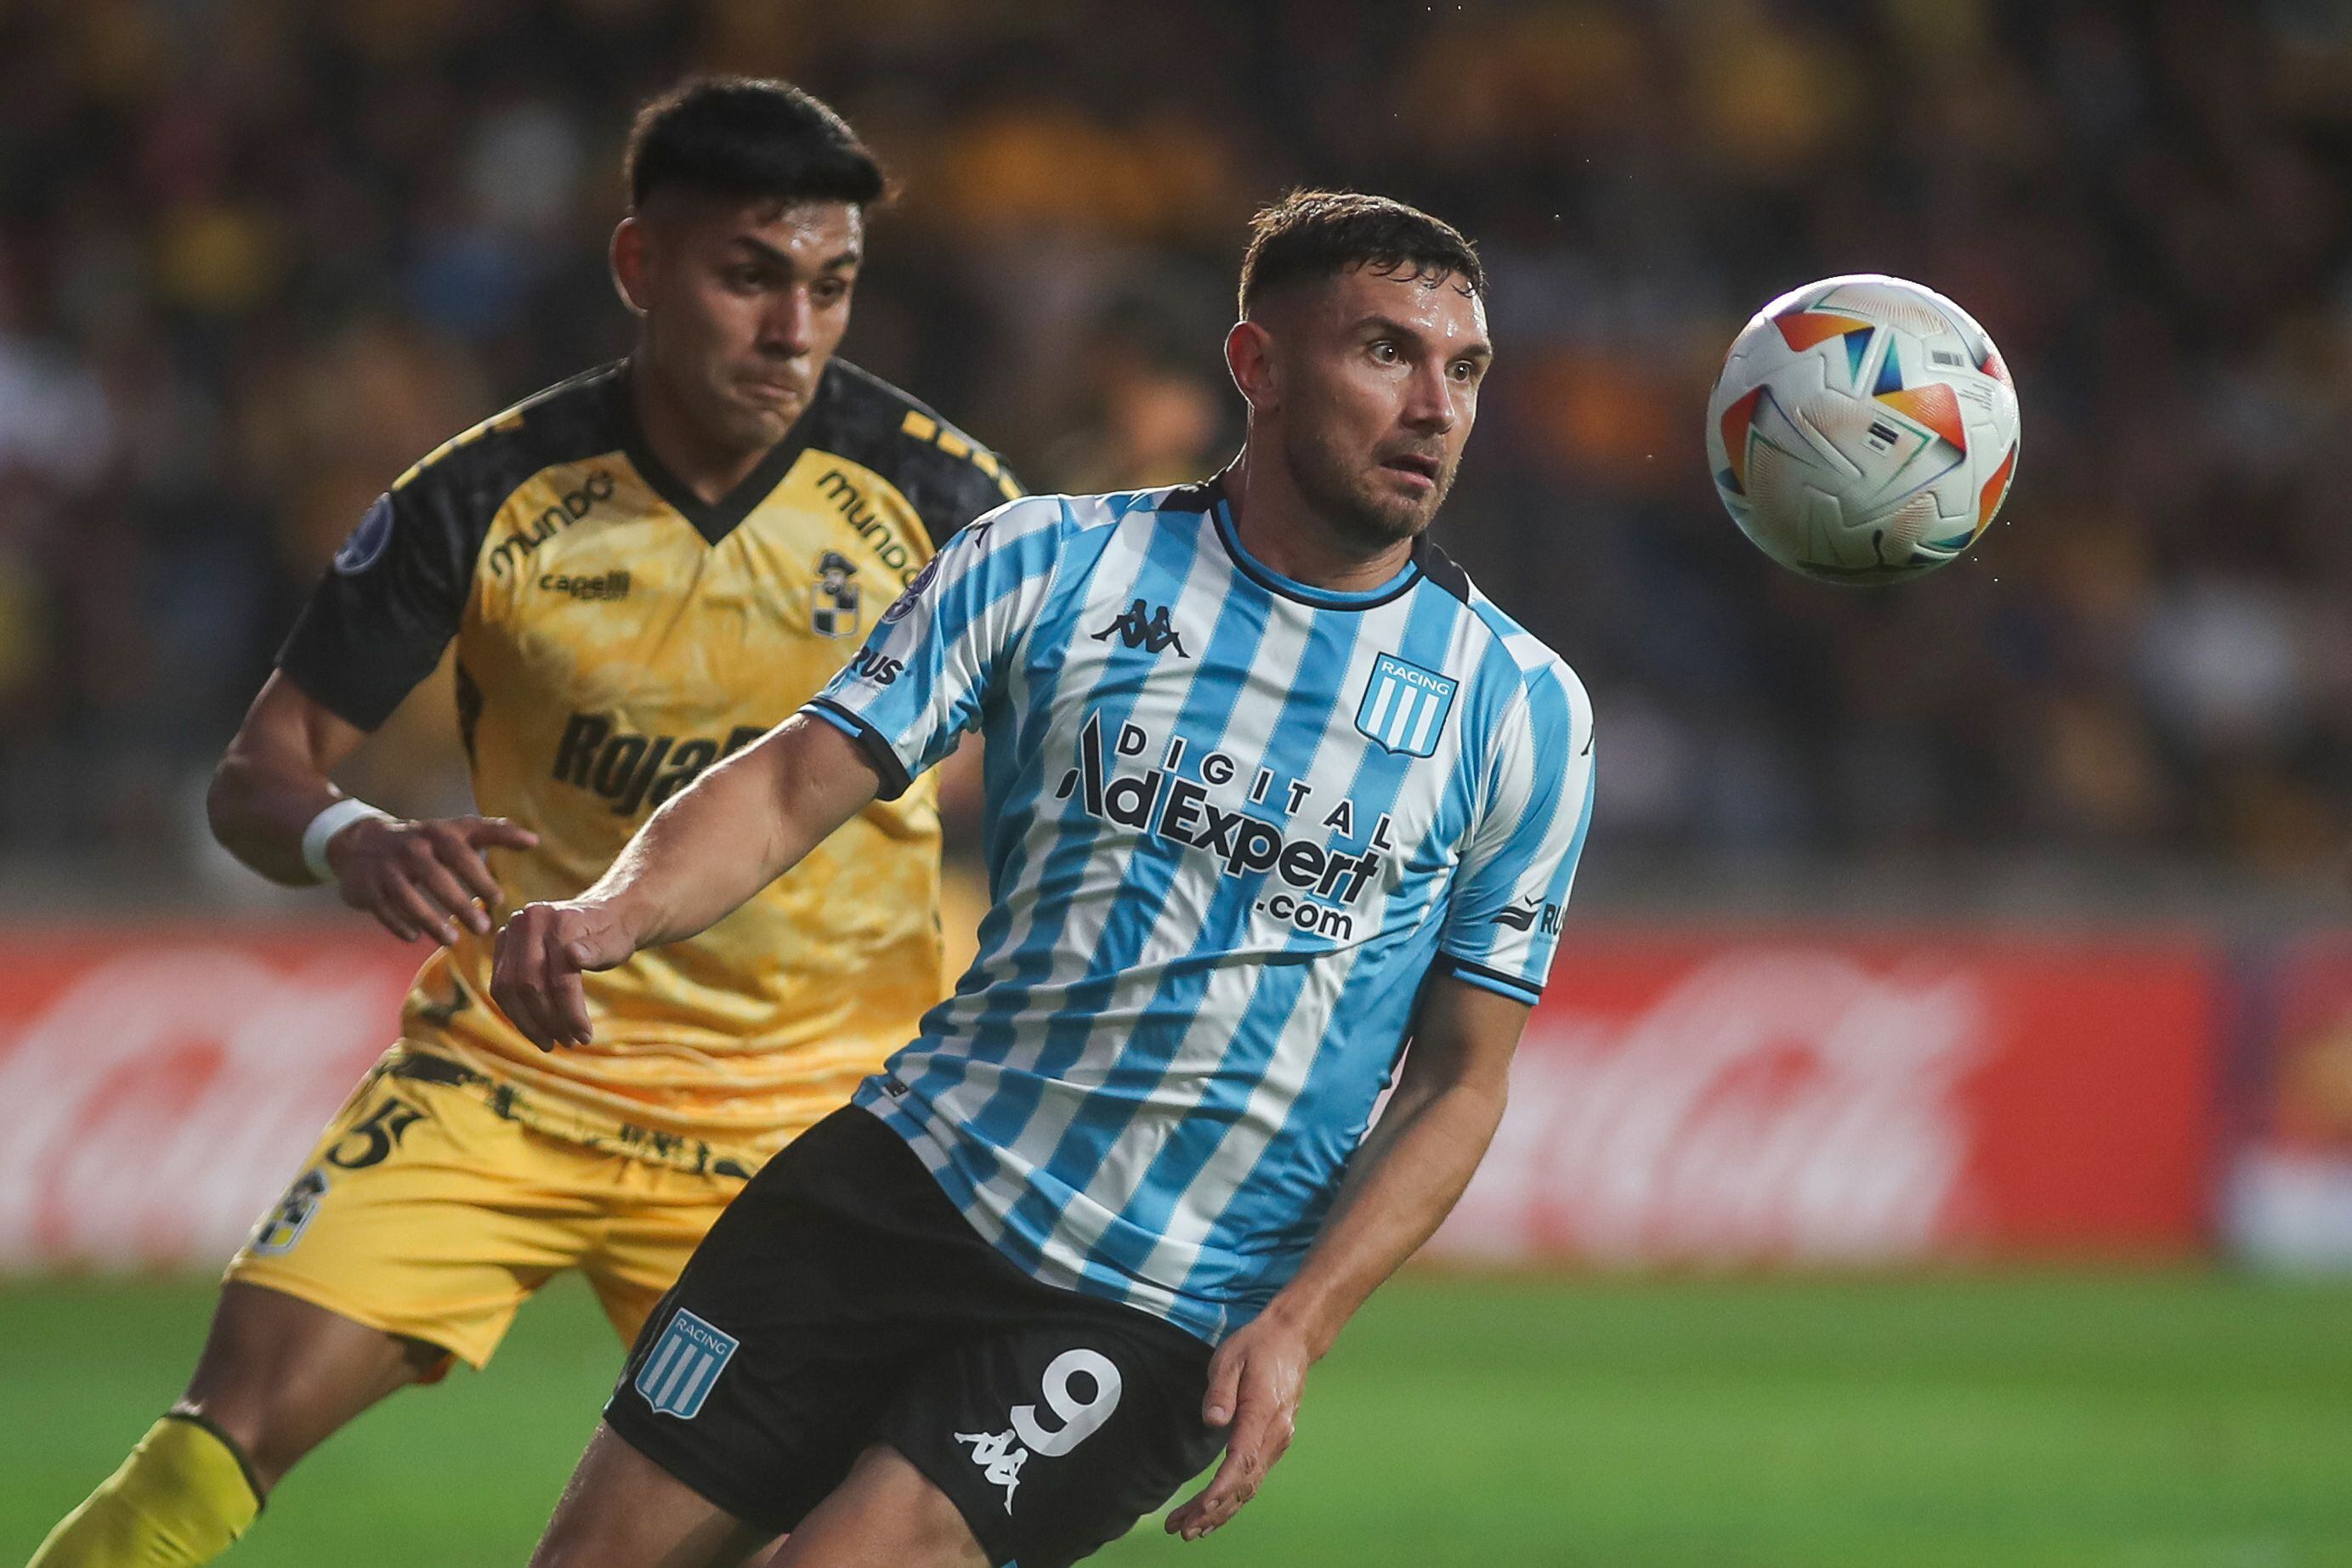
[(1310, 236), (749, 138)]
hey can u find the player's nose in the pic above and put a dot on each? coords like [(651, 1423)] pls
[(790, 324), (1429, 401)]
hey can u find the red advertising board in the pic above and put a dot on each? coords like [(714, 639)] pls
[(1715, 1098), (158, 1087), (1727, 1099), (2288, 1196)]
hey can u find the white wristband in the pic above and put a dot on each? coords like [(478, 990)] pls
[(326, 825)]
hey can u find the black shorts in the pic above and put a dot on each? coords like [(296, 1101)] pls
[(841, 1302)]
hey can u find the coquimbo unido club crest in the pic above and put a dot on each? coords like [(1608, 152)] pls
[(1404, 706), (835, 602)]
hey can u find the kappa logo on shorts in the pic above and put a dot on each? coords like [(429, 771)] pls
[(278, 1234), (1001, 1455), (685, 1361)]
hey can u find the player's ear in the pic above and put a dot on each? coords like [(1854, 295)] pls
[(1249, 356), (627, 255)]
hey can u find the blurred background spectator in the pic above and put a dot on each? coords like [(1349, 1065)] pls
[(258, 256)]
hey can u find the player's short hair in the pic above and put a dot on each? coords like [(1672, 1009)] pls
[(747, 138), (1310, 236)]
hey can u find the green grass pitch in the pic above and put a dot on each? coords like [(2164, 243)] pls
[(2082, 1420)]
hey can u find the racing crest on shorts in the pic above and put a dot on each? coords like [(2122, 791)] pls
[(685, 1361)]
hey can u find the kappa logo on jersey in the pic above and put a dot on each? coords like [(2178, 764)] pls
[(834, 602), (1001, 1455), (1405, 706), (633, 770), (1154, 636), (1523, 916), (685, 1363), (292, 1216)]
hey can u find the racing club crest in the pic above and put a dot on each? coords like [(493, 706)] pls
[(1404, 706), (834, 601)]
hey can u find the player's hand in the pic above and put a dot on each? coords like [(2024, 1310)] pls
[(424, 879), (1255, 1380), (535, 975)]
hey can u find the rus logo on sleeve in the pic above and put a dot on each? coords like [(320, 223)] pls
[(1405, 706), (686, 1362)]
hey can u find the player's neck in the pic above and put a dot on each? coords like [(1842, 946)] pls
[(709, 469), (1281, 529)]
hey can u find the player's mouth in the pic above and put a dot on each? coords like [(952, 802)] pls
[(774, 393), (1417, 469)]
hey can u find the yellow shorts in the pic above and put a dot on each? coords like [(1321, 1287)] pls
[(425, 1213)]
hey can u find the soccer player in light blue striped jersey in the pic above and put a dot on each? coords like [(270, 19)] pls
[(1281, 810)]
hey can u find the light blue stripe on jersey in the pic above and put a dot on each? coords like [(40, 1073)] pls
[(1302, 727), (1196, 1140), (1168, 561), (997, 984), (1208, 705), (1352, 1080)]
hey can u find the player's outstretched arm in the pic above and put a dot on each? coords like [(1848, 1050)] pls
[(417, 878), (1401, 1183), (710, 847)]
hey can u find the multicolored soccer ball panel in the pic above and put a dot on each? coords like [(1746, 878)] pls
[(1863, 430)]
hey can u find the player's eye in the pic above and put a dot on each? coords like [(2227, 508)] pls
[(1464, 372), (745, 279), (1385, 351), (831, 291)]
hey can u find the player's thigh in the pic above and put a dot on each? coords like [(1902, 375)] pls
[(887, 1514), (1054, 1434), (758, 1381), (623, 1511), (424, 1215), (279, 1375), (655, 1221)]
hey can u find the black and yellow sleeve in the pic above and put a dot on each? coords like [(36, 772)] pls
[(956, 480), (393, 599), (390, 603)]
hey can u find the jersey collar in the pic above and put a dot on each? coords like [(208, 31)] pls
[(1220, 507), (714, 520)]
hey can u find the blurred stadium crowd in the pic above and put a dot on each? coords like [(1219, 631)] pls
[(258, 256)]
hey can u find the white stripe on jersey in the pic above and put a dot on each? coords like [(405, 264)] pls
[(1232, 822)]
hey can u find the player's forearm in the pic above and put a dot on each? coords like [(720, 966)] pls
[(1402, 1185), (707, 850), (258, 806), (734, 830)]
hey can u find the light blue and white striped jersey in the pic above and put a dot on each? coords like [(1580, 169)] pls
[(1232, 823)]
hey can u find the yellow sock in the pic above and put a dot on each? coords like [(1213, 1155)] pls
[(181, 1498)]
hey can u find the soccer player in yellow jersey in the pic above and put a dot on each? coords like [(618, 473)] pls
[(643, 569)]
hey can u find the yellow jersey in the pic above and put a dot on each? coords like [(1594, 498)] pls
[(615, 635)]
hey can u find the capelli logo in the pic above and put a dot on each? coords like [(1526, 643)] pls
[(613, 584)]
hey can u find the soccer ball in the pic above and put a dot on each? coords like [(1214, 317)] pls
[(1863, 430)]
